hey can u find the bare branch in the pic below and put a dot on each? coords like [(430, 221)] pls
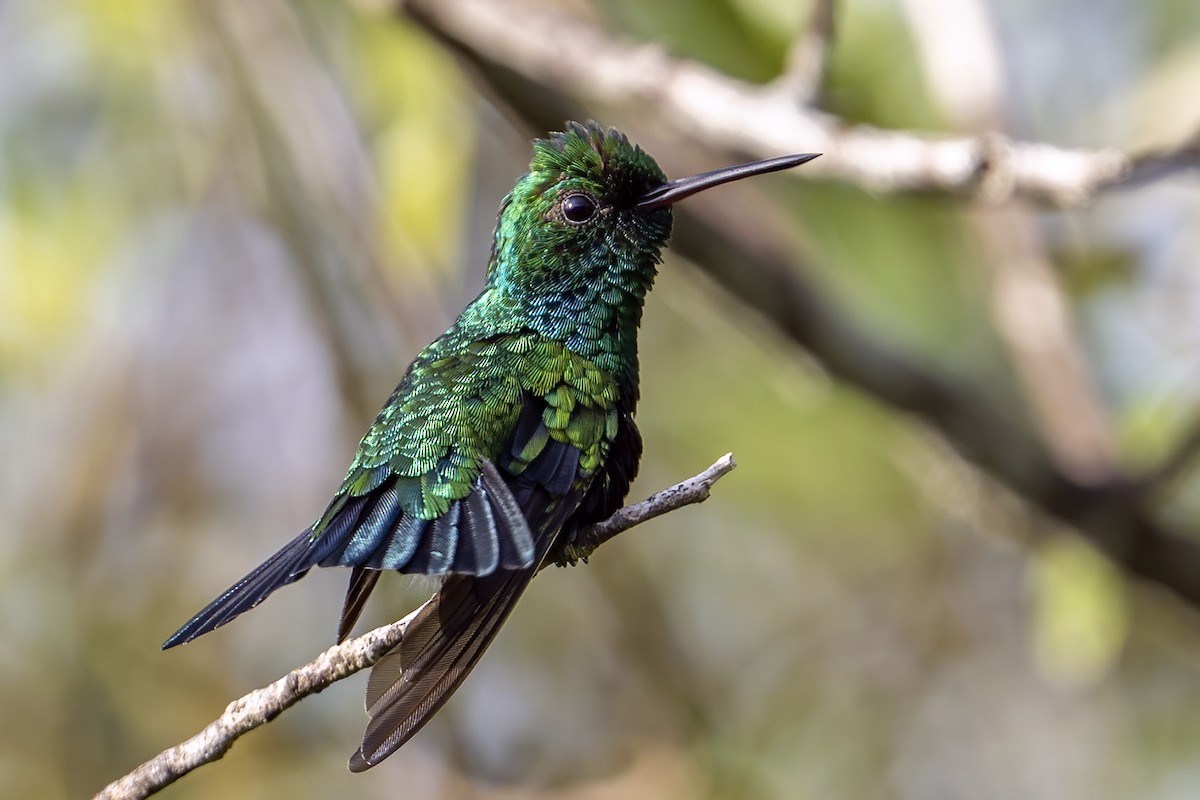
[(341, 661), (960, 51), (705, 105), (808, 60), (256, 708), (693, 490), (1035, 322)]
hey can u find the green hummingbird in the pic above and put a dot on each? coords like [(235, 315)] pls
[(508, 434)]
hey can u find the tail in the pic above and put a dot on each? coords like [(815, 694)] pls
[(362, 583), (442, 645), (287, 566)]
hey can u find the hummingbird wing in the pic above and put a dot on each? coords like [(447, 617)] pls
[(373, 532)]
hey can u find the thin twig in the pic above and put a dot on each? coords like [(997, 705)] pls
[(963, 68), (341, 661), (808, 59), (693, 490), (1035, 322), (958, 48)]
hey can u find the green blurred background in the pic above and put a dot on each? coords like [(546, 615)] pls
[(226, 227)]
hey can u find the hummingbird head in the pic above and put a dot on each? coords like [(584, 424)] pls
[(579, 236), (573, 221), (594, 209)]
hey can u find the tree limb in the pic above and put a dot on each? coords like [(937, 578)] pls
[(960, 51), (700, 103), (808, 58), (341, 661)]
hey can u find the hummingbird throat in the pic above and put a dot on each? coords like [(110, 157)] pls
[(598, 318)]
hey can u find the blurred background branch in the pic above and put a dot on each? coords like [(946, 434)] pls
[(808, 57), (576, 57)]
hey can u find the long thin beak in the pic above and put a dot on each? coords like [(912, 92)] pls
[(675, 191)]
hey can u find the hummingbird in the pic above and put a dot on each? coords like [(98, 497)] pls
[(508, 434)]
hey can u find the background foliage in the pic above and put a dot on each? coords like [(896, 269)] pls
[(226, 227)]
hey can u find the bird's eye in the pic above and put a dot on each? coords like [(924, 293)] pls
[(578, 208)]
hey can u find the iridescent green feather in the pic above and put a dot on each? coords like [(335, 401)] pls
[(459, 404)]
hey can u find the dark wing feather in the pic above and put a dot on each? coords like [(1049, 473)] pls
[(445, 641), (479, 553), (435, 553), (401, 545), (351, 539), (344, 515), (289, 565), (286, 566)]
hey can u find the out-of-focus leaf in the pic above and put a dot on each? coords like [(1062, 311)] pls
[(1080, 614)]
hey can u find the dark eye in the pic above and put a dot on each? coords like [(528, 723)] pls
[(578, 208)]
